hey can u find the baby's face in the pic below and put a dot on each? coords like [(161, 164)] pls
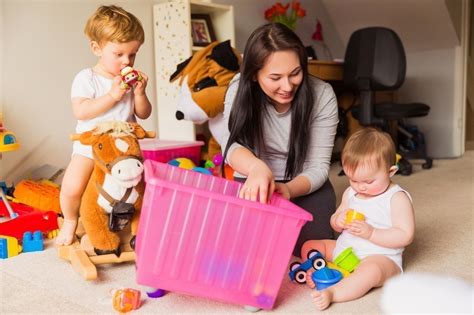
[(369, 181), (116, 56)]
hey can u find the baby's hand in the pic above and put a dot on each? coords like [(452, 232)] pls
[(340, 220), (140, 85), (361, 229), (117, 92)]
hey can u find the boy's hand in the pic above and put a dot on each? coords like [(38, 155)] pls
[(361, 229), (140, 86), (117, 92)]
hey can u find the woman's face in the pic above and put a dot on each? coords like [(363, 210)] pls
[(280, 78)]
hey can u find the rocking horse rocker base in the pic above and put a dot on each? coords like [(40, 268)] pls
[(84, 259)]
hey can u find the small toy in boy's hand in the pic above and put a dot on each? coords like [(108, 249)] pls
[(130, 76)]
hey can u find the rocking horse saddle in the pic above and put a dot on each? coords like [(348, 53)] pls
[(122, 211)]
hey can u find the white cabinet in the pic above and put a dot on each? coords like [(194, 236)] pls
[(173, 44)]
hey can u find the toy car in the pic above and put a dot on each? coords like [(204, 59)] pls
[(28, 219), (298, 270)]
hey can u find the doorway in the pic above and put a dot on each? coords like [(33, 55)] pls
[(469, 145)]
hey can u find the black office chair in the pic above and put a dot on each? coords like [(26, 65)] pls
[(375, 61)]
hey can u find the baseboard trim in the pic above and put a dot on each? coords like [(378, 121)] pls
[(469, 145)]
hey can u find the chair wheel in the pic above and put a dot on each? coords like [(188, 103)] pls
[(405, 167), (428, 164)]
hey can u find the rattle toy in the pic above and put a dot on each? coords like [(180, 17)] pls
[(129, 77)]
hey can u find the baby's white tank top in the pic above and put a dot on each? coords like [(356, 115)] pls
[(377, 212)]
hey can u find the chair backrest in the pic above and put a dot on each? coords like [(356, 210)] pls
[(374, 60)]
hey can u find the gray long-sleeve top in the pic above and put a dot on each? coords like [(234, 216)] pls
[(276, 133)]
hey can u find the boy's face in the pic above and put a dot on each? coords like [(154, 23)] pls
[(113, 57), (370, 181)]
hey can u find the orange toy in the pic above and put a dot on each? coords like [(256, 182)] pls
[(125, 300), (38, 195)]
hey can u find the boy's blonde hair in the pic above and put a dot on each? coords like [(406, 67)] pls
[(368, 147), (113, 24)]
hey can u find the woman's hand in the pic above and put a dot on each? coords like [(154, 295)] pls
[(283, 189), (361, 229), (260, 183)]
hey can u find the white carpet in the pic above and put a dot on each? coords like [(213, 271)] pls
[(34, 283)]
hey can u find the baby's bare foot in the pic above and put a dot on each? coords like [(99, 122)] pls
[(309, 280), (66, 233), (322, 299)]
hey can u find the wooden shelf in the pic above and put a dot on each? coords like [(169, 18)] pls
[(173, 44)]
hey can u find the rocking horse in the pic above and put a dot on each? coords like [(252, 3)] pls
[(113, 197)]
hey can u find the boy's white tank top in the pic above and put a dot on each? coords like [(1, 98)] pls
[(377, 212)]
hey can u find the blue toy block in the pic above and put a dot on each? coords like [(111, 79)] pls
[(33, 242), (3, 186), (3, 248)]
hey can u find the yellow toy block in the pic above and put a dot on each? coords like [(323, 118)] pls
[(9, 247)]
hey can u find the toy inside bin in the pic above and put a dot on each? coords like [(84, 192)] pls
[(197, 237), (166, 150)]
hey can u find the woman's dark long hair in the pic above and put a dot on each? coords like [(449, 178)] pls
[(246, 116)]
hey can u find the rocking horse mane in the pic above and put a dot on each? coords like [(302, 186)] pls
[(115, 128)]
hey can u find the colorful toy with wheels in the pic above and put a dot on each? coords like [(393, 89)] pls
[(298, 270), (27, 219)]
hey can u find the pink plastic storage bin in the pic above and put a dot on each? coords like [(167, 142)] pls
[(197, 237), (166, 150)]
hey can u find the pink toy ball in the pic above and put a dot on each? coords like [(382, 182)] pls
[(218, 158), (130, 76)]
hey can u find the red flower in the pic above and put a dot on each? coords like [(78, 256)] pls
[(278, 13), (269, 13), (295, 5), (301, 13), (281, 9)]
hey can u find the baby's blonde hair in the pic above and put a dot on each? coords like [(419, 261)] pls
[(113, 24), (368, 147)]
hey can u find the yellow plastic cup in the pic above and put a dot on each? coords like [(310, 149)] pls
[(352, 215)]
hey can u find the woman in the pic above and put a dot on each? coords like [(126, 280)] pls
[(282, 125)]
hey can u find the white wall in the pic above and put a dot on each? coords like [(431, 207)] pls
[(430, 31), (435, 86), (43, 47), (249, 14)]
